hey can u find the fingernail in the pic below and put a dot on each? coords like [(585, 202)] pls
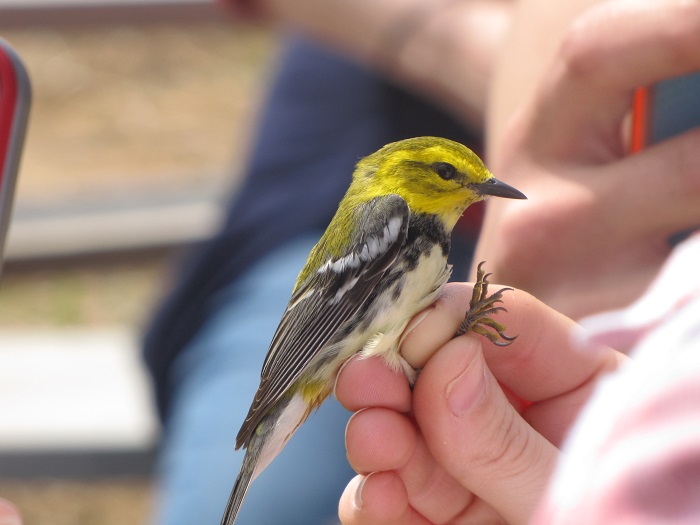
[(335, 381), (347, 425), (466, 390), (357, 501)]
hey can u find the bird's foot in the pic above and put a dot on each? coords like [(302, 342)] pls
[(481, 307)]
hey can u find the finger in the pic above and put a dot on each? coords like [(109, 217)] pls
[(477, 436), (543, 361), (548, 365), (433, 492), (435, 326), (626, 44), (9, 515), (547, 359), (378, 439), (663, 180), (370, 382), (609, 51), (377, 499)]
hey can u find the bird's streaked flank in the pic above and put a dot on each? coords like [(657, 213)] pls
[(382, 259)]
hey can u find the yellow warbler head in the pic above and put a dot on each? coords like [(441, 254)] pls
[(434, 175)]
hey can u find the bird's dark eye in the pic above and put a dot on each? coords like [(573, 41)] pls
[(446, 170)]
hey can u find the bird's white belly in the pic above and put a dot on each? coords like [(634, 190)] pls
[(419, 288)]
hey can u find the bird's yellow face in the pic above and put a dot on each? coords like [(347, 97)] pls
[(434, 175)]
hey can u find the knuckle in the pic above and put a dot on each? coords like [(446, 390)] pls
[(581, 54), (508, 455)]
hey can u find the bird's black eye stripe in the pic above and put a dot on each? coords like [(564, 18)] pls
[(446, 170)]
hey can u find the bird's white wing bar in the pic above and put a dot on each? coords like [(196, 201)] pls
[(373, 247)]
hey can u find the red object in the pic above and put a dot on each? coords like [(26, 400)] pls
[(640, 120), (14, 111), (469, 224), (8, 102)]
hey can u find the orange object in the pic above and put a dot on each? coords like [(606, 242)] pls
[(640, 120)]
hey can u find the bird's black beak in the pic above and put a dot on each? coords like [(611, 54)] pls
[(496, 188)]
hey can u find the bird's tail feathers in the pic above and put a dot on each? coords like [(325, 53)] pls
[(240, 489), (269, 438)]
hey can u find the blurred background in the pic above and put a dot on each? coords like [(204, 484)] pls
[(140, 120)]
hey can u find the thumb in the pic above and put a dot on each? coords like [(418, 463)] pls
[(477, 436)]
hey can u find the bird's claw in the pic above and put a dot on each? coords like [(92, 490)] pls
[(478, 318)]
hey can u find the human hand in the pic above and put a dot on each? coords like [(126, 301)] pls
[(9, 515), (477, 438), (594, 231)]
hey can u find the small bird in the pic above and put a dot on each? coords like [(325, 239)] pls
[(382, 260)]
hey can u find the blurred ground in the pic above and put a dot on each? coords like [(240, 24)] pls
[(133, 108), (121, 111), (107, 502), (126, 111)]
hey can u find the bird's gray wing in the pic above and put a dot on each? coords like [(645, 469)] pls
[(327, 299)]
